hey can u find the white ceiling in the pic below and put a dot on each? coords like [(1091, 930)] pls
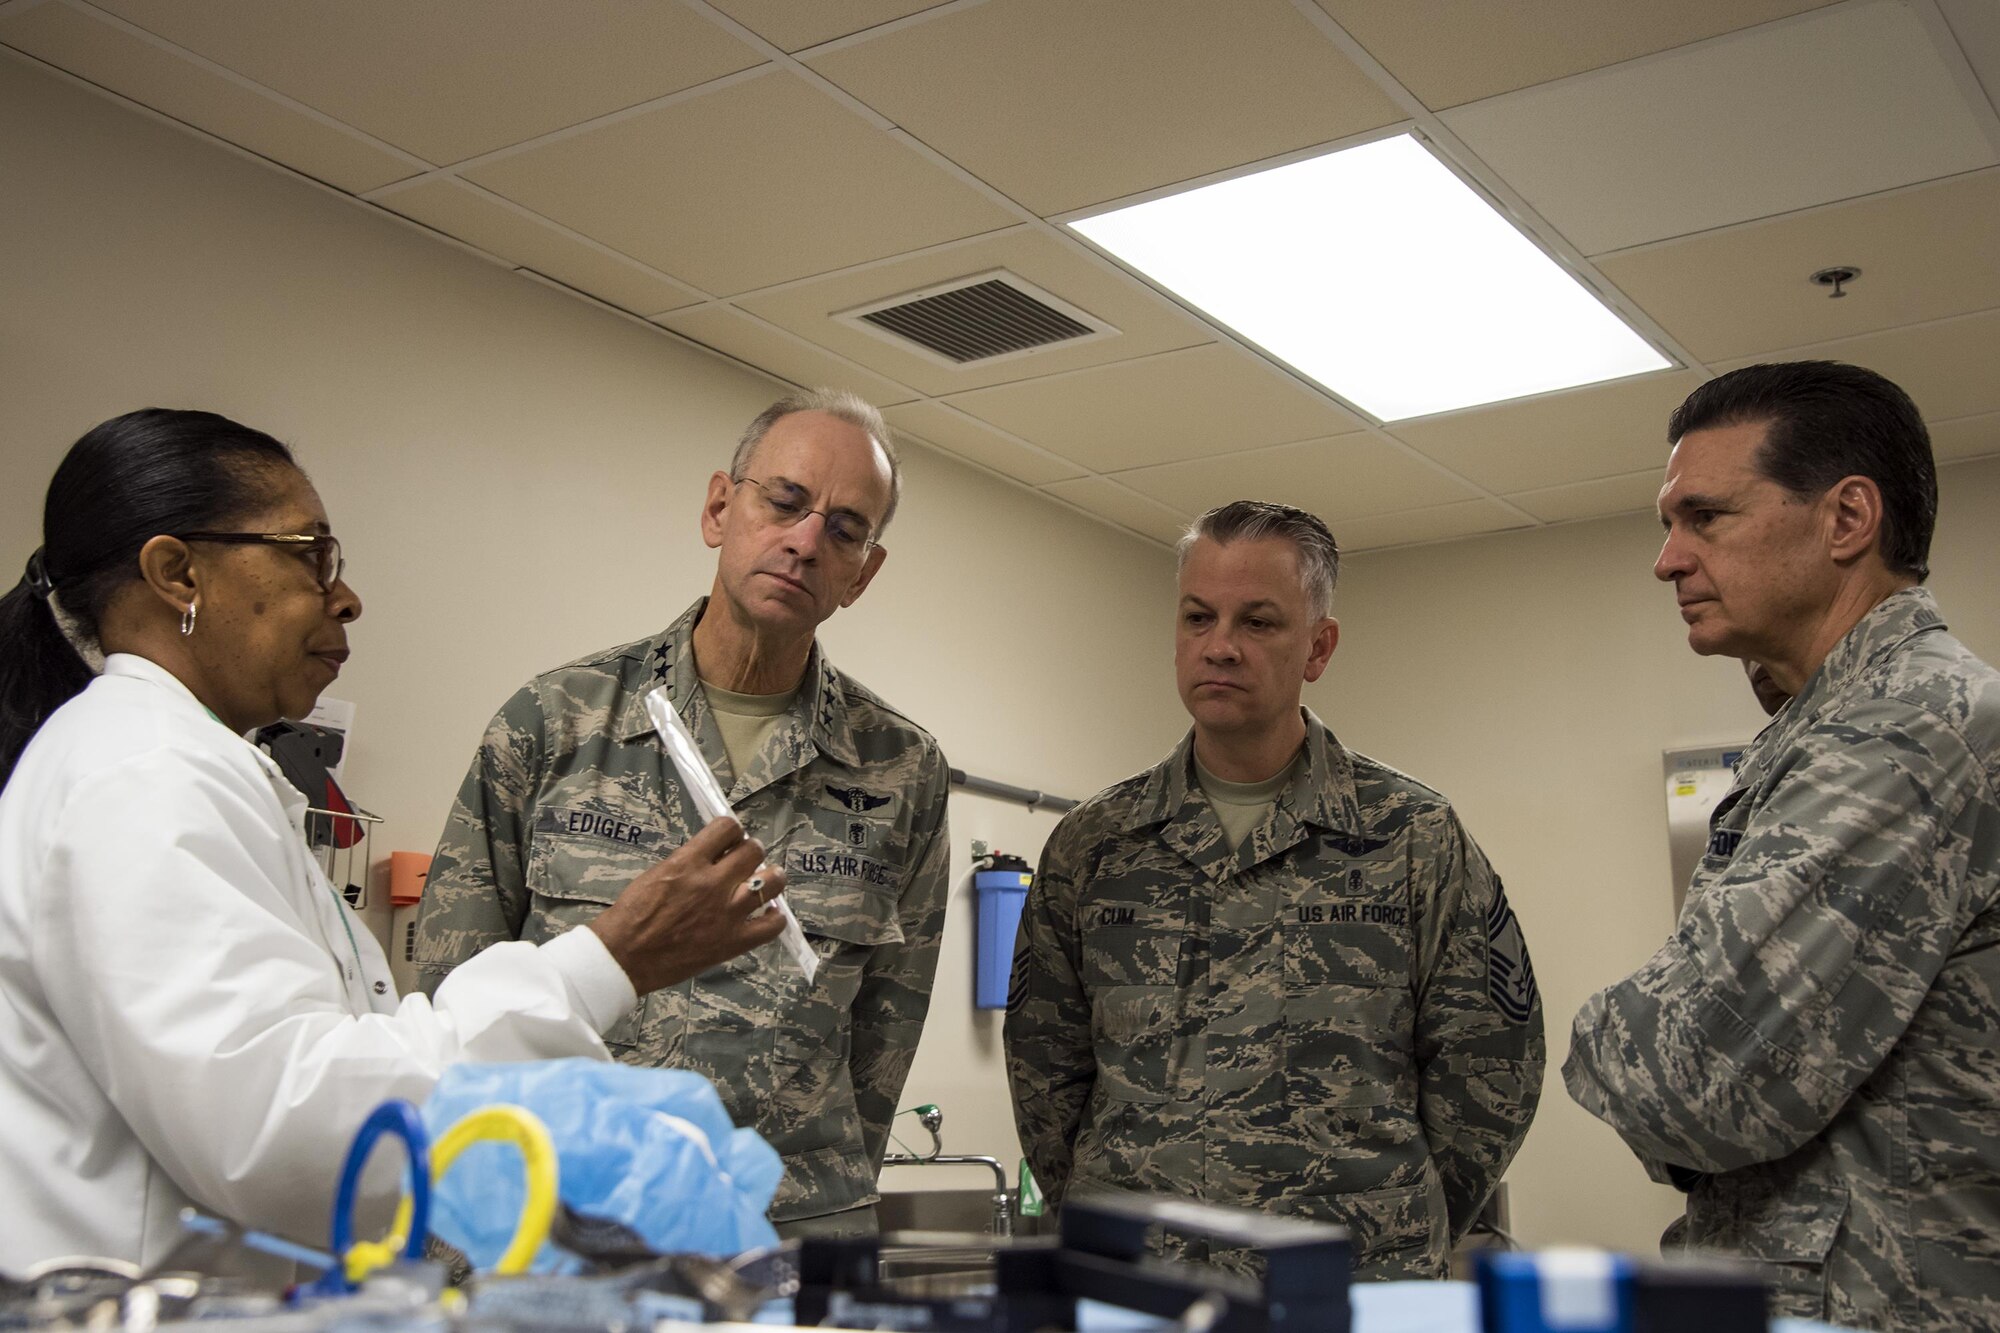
[(740, 172)]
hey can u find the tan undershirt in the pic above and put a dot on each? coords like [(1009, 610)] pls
[(1241, 806), (746, 721)]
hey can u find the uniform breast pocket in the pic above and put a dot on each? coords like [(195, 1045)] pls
[(1132, 931), (1786, 1222), (870, 866), (846, 904), (1350, 1017), (1132, 1029), (845, 924), (570, 881), (1349, 925)]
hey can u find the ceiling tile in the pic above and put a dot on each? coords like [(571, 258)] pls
[(1496, 48), (1146, 321), (1059, 104), (1968, 437), (1947, 367), (736, 334), (1558, 438), (1976, 25), (956, 433), (1634, 493), (1923, 254), (1467, 518), (792, 26), (1135, 513), (1836, 103), (482, 220), (112, 57), (1352, 476), (1160, 409), (758, 183), (449, 79)]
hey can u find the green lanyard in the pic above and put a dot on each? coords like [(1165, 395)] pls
[(340, 906)]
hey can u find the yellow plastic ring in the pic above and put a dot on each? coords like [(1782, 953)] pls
[(497, 1123)]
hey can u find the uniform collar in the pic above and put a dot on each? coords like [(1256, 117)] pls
[(1323, 789), (1320, 796), (669, 660), (1893, 621)]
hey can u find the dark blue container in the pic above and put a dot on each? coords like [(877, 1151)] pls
[(1557, 1291), (1002, 893)]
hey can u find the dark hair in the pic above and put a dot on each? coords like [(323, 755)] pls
[(1830, 420), (133, 478), (1253, 520)]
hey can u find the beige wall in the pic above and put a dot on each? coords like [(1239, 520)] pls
[(1535, 679), (515, 476)]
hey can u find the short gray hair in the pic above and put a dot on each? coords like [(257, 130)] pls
[(840, 403), (1254, 520)]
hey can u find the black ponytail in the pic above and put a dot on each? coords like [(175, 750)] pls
[(151, 472)]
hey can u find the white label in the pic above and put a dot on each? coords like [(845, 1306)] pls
[(1578, 1290)]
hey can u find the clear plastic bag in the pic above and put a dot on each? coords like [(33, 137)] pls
[(700, 782), (650, 1149)]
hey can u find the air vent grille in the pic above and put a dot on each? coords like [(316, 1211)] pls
[(978, 322)]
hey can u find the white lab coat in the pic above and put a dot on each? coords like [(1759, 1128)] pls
[(188, 1011)]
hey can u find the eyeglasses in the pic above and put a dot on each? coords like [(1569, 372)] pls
[(784, 505), (327, 563)]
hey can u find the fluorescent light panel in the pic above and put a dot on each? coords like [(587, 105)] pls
[(1383, 276)]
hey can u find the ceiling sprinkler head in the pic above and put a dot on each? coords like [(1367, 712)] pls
[(1836, 277)]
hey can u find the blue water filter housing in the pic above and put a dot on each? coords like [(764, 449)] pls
[(1002, 890)]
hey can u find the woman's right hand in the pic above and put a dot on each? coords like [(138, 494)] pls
[(686, 914)]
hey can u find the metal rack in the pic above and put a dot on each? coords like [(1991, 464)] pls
[(346, 868)]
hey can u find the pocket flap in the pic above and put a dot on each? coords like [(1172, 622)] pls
[(1132, 1028), (580, 895), (1124, 1012), (1381, 1221), (1789, 1222), (852, 916), (580, 868), (1350, 1094), (580, 877)]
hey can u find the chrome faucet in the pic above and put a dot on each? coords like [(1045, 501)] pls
[(932, 1119)]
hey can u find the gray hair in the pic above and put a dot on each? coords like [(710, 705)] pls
[(840, 403), (1254, 520)]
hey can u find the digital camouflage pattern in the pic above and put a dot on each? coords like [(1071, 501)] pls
[(1336, 1020), (1814, 1057), (572, 795)]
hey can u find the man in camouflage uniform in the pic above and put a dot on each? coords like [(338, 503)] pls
[(1271, 972), (572, 794), (1814, 1056)]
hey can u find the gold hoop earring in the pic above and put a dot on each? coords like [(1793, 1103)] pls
[(187, 619)]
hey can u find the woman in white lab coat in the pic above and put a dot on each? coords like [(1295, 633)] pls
[(189, 1014)]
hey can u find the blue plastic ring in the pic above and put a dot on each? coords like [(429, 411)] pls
[(400, 1118)]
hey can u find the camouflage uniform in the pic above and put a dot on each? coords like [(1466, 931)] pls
[(1815, 1055), (572, 795), (1337, 1020)]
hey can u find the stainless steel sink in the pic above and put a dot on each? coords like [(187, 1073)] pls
[(956, 1210)]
